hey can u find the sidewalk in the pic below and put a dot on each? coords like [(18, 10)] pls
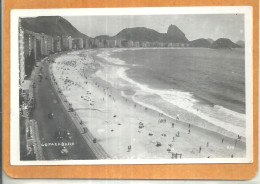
[(32, 139)]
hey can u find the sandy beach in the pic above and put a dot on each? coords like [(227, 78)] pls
[(127, 128)]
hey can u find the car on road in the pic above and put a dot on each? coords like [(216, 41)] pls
[(63, 151), (67, 134), (50, 115)]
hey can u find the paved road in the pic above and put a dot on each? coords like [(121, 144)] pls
[(47, 101)]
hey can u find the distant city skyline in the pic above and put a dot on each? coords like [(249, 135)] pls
[(212, 26)]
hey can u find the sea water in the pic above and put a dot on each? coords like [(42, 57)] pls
[(207, 83)]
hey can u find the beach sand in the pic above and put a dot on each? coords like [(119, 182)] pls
[(126, 129)]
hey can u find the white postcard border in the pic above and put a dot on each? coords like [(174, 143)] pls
[(14, 77)]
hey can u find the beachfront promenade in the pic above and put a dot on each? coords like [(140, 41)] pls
[(90, 139), (48, 100)]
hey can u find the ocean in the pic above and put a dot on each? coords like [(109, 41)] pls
[(207, 83)]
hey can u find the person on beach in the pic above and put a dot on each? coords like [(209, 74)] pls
[(173, 155), (84, 130), (222, 140), (189, 131), (40, 77), (239, 137), (94, 140), (178, 117), (178, 134), (129, 148), (172, 125), (199, 149)]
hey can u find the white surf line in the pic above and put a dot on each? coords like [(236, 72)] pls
[(236, 130), (218, 123)]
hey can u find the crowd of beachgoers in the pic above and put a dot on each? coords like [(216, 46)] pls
[(127, 129)]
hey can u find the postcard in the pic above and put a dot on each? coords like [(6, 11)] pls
[(131, 86)]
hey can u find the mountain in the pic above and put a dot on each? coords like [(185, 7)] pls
[(201, 43), (58, 26), (51, 25), (224, 43), (138, 34), (174, 34), (241, 43)]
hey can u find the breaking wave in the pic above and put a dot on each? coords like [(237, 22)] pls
[(186, 101)]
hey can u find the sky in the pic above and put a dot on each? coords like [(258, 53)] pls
[(194, 26)]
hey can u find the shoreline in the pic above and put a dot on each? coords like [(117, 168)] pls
[(203, 96), (152, 111), (150, 121), (196, 115), (229, 135)]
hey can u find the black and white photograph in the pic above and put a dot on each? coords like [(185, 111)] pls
[(131, 86)]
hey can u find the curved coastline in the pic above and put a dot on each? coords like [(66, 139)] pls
[(95, 83), (180, 101)]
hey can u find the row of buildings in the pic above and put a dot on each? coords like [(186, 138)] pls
[(111, 43), (34, 46), (42, 45)]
